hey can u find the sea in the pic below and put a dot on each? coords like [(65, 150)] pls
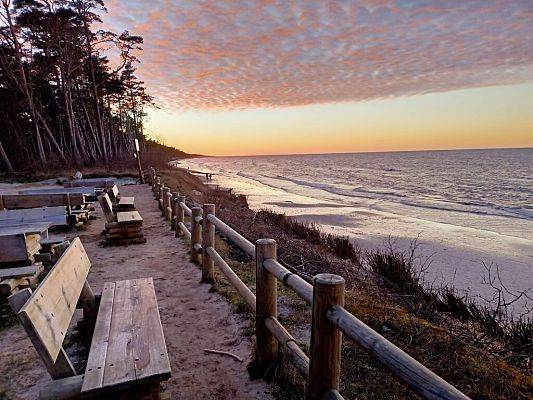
[(469, 211)]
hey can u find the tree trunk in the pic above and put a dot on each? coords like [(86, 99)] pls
[(4, 157)]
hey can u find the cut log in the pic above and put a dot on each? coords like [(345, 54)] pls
[(63, 389)]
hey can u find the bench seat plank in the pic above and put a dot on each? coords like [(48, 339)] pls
[(135, 350), (149, 347), (128, 217), (119, 367), (94, 371), (6, 273)]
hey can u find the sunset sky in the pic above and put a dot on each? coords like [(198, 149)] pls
[(279, 77)]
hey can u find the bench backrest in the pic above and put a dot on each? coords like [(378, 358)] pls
[(114, 194), (22, 201), (98, 183), (107, 207), (47, 313)]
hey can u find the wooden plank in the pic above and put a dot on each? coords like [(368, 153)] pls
[(19, 272), (113, 194), (51, 306), (97, 183), (128, 217), (149, 348), (13, 248), (119, 366), (94, 371), (32, 214), (126, 201), (87, 191), (25, 201), (107, 207)]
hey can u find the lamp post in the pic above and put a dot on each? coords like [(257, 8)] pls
[(137, 155)]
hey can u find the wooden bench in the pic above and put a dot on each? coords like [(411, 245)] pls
[(87, 191), (120, 203), (112, 213), (96, 183), (24, 201), (128, 347), (90, 193), (56, 216)]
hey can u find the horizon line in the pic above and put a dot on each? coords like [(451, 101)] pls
[(360, 152)]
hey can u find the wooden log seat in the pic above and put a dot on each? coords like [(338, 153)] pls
[(128, 348)]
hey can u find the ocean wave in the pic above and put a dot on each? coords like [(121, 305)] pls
[(449, 205)]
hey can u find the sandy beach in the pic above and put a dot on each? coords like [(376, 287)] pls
[(460, 228)]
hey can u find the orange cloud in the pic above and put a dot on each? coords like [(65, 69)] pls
[(244, 54)]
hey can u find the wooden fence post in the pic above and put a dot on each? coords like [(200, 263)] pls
[(326, 339), (164, 199), (168, 209), (156, 187), (180, 215), (208, 240), (266, 305), (196, 234), (173, 206)]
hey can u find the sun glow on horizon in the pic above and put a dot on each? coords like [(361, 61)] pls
[(487, 117)]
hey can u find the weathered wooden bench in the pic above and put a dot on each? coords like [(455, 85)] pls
[(128, 347), (120, 203), (95, 182), (53, 216), (112, 213), (90, 193), (76, 206), (24, 201)]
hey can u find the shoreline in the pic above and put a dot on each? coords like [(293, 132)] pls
[(458, 254), (368, 296)]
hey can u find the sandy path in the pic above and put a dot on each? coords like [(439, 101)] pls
[(193, 317)]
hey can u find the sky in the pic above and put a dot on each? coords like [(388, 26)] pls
[(236, 77)]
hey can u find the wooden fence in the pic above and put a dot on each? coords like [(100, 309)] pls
[(326, 296)]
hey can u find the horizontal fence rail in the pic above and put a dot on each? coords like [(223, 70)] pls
[(302, 288), (245, 245), (239, 285), (415, 375), (321, 368)]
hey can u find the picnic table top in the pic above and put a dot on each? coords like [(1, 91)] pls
[(126, 217), (127, 201), (128, 346)]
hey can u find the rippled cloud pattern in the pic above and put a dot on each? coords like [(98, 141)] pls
[(229, 54)]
